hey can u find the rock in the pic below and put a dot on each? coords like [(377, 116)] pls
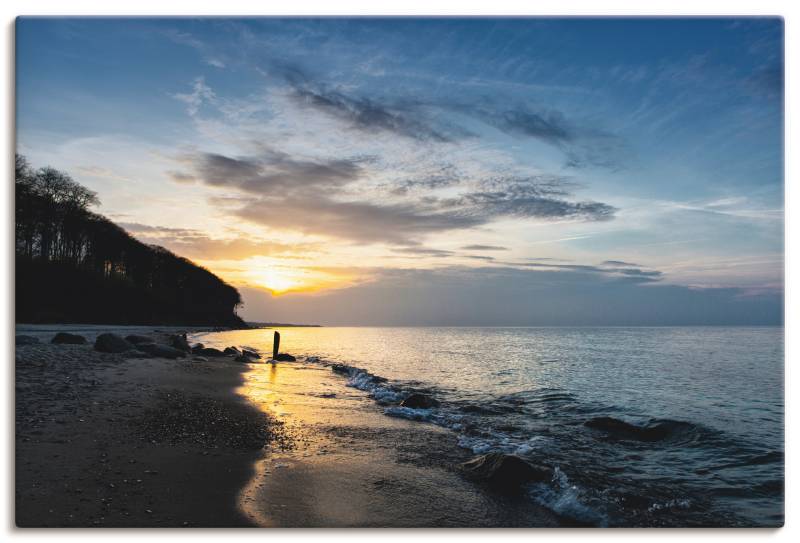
[(208, 351), (26, 340), (251, 354), (244, 359), (284, 357), (233, 351), (505, 472), (340, 368), (162, 351), (112, 343), (419, 401), (137, 339), (65, 338), (178, 341), (200, 358), (655, 430)]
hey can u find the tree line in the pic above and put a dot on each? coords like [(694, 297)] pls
[(74, 265)]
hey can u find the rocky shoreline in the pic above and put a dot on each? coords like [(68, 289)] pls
[(131, 438), (146, 430)]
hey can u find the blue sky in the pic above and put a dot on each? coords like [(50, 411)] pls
[(310, 159)]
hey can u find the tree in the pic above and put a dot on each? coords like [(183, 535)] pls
[(58, 240)]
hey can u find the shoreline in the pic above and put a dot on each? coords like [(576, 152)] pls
[(353, 466), (109, 440), (105, 440)]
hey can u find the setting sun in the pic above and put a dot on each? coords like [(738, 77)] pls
[(279, 280)]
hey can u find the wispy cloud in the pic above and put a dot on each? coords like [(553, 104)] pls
[(198, 245), (201, 93), (478, 247), (293, 193), (369, 115)]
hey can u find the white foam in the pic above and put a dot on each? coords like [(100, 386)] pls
[(365, 381), (565, 498), (670, 504), (408, 413)]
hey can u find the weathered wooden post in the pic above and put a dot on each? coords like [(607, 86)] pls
[(276, 343)]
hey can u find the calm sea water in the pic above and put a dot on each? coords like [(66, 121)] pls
[(705, 405)]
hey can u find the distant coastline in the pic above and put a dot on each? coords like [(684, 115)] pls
[(280, 325)]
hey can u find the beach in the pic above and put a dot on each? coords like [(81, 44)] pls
[(117, 440), (95, 444)]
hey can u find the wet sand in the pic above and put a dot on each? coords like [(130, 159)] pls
[(354, 466)]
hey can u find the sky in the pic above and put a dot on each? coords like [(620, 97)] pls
[(527, 171)]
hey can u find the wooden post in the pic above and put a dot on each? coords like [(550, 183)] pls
[(276, 343)]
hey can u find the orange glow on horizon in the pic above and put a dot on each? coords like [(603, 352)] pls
[(278, 278)]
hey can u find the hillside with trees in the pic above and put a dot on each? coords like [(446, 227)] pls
[(76, 266)]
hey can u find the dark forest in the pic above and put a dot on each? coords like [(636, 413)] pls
[(76, 266)]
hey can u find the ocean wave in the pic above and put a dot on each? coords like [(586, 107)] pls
[(567, 500), (545, 425)]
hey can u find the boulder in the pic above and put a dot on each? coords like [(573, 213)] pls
[(419, 401), (161, 351), (25, 340), (65, 338), (112, 343), (245, 359), (250, 354), (344, 369), (137, 339), (208, 351), (197, 346), (200, 359), (505, 472), (233, 351), (178, 341), (284, 357)]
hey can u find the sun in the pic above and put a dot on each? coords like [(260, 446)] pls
[(277, 280)]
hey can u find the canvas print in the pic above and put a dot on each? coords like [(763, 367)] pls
[(399, 272)]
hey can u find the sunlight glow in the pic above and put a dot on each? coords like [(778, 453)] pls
[(280, 280)]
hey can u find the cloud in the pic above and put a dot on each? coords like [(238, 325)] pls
[(405, 223), (321, 197), (186, 38), (477, 247), (609, 268), (271, 170), (201, 93), (193, 243), (583, 144), (531, 199), (424, 251), (550, 127), (368, 115), (181, 177), (217, 63), (362, 222)]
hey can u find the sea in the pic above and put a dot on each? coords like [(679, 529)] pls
[(661, 426)]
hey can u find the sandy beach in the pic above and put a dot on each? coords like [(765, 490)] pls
[(353, 466), (112, 440), (108, 440)]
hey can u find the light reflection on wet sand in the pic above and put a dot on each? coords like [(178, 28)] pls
[(353, 466)]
